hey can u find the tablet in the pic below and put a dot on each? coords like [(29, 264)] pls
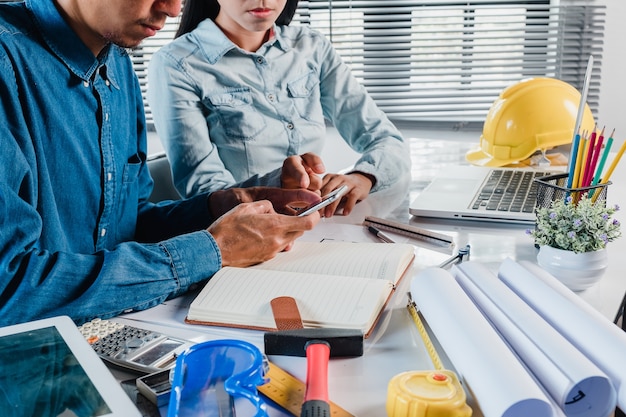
[(48, 369)]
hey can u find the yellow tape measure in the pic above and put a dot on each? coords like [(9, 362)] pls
[(288, 392), (435, 393)]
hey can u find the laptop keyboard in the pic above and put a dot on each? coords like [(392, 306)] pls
[(509, 190)]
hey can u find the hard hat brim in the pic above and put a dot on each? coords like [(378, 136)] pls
[(480, 158)]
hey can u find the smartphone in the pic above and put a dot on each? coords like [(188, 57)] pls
[(326, 200)]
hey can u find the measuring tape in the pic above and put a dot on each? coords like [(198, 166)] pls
[(288, 392), (435, 393), (434, 238)]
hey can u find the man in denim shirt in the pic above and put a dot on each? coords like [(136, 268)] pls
[(77, 233)]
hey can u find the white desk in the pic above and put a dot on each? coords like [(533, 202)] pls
[(360, 384)]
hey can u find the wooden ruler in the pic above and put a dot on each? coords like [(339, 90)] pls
[(288, 392)]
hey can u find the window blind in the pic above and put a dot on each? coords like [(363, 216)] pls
[(439, 62)]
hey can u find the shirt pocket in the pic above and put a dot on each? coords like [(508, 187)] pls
[(305, 95), (236, 113), (128, 198)]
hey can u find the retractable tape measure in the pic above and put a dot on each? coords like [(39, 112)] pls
[(435, 393), (288, 392)]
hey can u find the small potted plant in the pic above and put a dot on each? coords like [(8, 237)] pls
[(572, 235)]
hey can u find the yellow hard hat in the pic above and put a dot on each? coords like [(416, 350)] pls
[(530, 115)]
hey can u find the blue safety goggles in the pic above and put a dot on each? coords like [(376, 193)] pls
[(216, 378)]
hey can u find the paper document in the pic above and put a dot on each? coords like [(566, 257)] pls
[(575, 383), (497, 379)]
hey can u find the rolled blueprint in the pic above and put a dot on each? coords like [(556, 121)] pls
[(593, 334), (575, 383), (497, 379)]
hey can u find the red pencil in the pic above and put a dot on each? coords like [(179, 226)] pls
[(592, 142), (594, 161)]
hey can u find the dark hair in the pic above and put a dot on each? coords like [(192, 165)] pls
[(195, 11)]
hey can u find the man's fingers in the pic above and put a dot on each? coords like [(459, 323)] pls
[(314, 162)]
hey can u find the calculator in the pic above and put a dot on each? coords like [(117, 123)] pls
[(133, 348)]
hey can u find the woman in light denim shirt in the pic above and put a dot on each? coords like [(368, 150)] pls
[(240, 99)]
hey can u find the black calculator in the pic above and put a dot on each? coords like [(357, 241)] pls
[(131, 347)]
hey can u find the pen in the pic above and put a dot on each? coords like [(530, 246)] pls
[(383, 237)]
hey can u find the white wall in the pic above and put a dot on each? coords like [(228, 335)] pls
[(612, 109)]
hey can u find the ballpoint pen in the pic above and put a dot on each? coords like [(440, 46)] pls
[(383, 237)]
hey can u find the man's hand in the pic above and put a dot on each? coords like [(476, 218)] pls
[(303, 171), (253, 232), (282, 200), (359, 186)]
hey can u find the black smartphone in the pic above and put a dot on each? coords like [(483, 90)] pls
[(326, 200)]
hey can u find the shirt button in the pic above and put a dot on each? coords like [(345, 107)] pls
[(103, 232), (107, 83), (290, 126), (109, 176), (259, 60), (270, 97), (86, 83), (106, 117)]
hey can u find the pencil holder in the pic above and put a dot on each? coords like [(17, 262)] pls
[(554, 187)]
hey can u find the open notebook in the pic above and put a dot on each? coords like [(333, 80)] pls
[(479, 193)]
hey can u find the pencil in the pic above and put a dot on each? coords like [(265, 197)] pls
[(588, 155), (594, 159), (609, 171), (600, 168), (579, 160), (572, 161)]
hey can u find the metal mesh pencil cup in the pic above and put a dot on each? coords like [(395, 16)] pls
[(554, 187)]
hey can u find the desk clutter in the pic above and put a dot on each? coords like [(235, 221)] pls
[(523, 343)]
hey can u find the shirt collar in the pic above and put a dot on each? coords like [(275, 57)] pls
[(64, 43), (215, 44)]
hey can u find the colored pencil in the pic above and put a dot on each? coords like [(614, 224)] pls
[(600, 168), (587, 158), (579, 159), (594, 159), (572, 160), (609, 171)]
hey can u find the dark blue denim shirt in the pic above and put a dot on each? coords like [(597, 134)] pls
[(77, 234)]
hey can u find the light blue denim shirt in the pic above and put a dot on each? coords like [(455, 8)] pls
[(229, 117), (74, 182)]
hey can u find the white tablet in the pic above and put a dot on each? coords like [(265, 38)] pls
[(48, 369)]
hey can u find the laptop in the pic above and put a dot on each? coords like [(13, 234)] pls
[(48, 369), (468, 192)]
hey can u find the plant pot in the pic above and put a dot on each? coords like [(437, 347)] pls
[(578, 271)]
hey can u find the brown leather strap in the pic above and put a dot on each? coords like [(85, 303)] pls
[(286, 313)]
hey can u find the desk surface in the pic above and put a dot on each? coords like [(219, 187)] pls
[(360, 384)]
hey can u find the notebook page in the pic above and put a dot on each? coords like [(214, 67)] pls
[(372, 260), (242, 296)]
